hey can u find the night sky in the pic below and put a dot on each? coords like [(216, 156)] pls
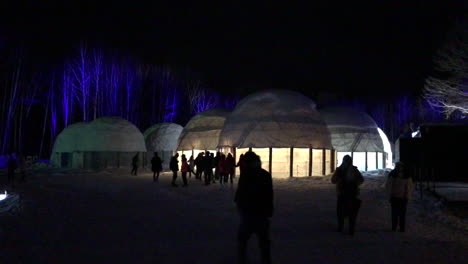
[(373, 49)]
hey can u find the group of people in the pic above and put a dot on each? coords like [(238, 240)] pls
[(254, 199), (347, 178), (213, 168), (254, 194)]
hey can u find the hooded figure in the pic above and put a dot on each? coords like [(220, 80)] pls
[(347, 179)]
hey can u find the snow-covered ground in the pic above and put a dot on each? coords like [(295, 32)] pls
[(111, 217)]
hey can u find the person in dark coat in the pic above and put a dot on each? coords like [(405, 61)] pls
[(230, 167), (213, 165), (199, 165), (191, 163), (207, 168), (400, 189), (156, 166), (11, 167), (240, 163), (347, 179), (254, 200), (184, 169), (135, 164), (174, 166), (222, 169), (216, 166)]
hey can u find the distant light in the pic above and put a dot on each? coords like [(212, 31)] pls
[(3, 196), (414, 134)]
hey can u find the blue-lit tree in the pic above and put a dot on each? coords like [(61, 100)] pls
[(200, 98)]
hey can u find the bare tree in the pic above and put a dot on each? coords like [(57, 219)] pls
[(199, 98), (449, 94)]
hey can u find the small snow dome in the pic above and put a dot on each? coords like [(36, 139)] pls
[(202, 131), (104, 142), (284, 128), (162, 138), (355, 133)]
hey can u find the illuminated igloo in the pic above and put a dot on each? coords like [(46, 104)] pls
[(285, 129), (356, 134), (104, 142), (202, 132)]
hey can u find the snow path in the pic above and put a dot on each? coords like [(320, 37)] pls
[(111, 217)]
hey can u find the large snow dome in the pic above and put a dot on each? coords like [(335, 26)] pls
[(112, 134), (162, 138), (284, 128), (202, 131), (70, 139), (355, 133), (108, 135), (275, 118)]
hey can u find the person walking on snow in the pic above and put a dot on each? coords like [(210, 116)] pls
[(156, 166), (230, 167), (207, 167), (254, 200), (174, 166), (241, 164), (135, 164), (199, 165), (184, 169), (347, 179), (399, 186), (191, 163), (222, 170)]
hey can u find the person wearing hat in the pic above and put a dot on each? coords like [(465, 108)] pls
[(400, 188)]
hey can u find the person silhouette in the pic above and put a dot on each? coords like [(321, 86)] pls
[(399, 186), (135, 164), (184, 169), (230, 167), (347, 179), (174, 166), (254, 200), (156, 166)]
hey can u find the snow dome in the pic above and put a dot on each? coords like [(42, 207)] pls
[(162, 138), (202, 132), (284, 128), (104, 142), (355, 133)]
